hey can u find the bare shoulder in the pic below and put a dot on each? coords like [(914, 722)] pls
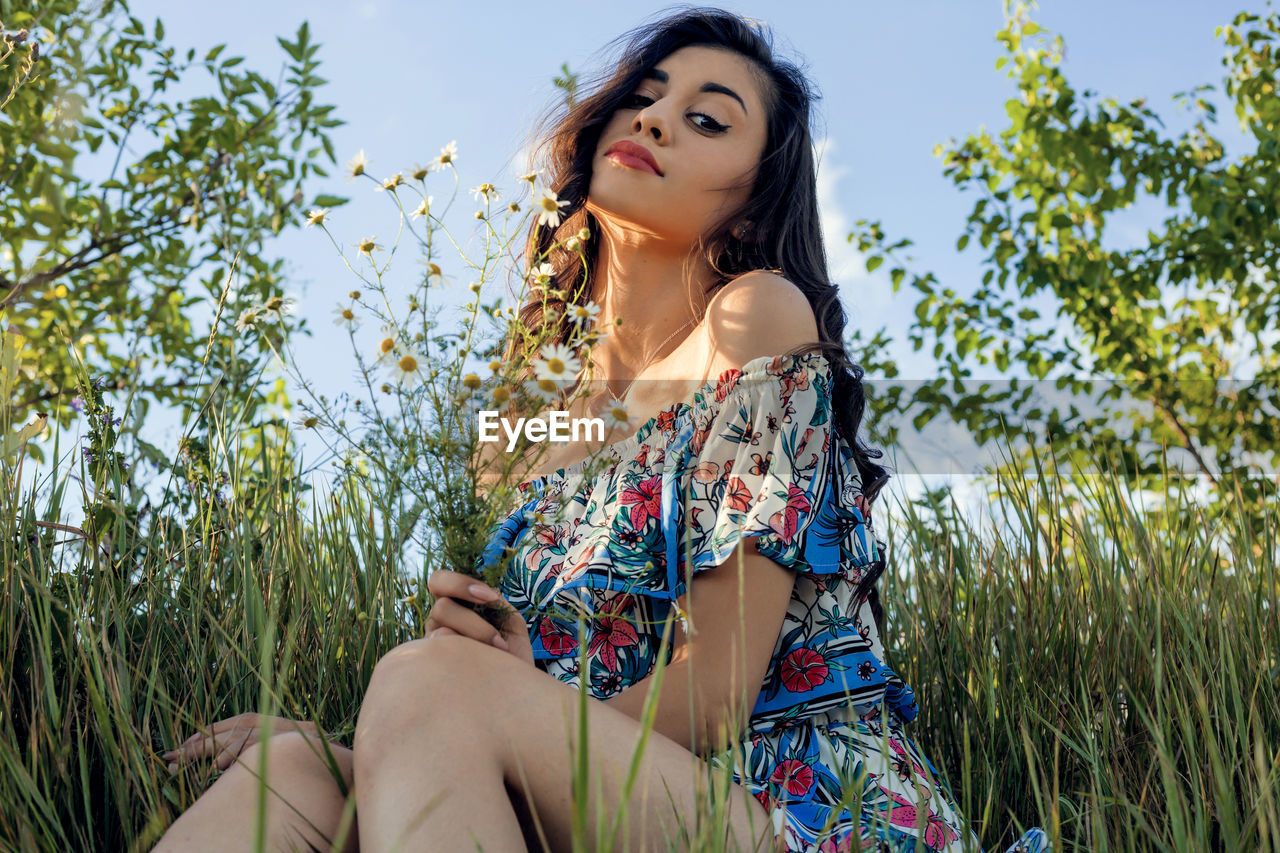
[(758, 313)]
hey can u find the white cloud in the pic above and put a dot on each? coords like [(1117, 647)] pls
[(846, 264)]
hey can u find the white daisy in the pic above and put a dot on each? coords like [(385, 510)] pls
[(407, 369), (392, 182), (557, 363), (579, 314), (389, 349), (541, 275), (435, 277), (547, 390), (368, 246), (488, 191), (548, 207), (448, 155), (317, 216), (591, 337), (615, 414), (422, 209), (499, 397), (357, 164), (343, 316), (247, 319), (279, 306)]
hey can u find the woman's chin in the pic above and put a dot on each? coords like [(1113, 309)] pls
[(629, 215)]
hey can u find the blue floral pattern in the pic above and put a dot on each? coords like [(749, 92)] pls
[(601, 550)]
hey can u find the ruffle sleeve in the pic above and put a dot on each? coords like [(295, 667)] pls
[(763, 465)]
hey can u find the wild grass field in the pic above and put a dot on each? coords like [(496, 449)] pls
[(1107, 673)]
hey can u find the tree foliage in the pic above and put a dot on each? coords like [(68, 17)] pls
[(1169, 343), (126, 210)]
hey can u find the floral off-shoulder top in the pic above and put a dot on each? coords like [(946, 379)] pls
[(752, 454)]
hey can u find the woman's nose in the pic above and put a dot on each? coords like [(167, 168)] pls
[(651, 120)]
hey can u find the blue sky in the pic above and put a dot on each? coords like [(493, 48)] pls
[(896, 79)]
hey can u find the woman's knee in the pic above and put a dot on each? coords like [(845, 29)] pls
[(295, 757), (415, 679)]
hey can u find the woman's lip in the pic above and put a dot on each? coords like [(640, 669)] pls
[(631, 161)]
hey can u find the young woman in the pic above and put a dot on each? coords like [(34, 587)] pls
[(736, 518)]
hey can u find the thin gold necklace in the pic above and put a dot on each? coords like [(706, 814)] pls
[(649, 361)]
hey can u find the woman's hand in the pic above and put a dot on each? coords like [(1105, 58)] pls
[(448, 616), (226, 739)]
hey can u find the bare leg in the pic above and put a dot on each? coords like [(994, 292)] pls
[(448, 723), (427, 778), (308, 816)]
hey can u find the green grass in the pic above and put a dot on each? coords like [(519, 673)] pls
[(1108, 674)]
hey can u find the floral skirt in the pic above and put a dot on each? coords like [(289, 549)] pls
[(834, 785)]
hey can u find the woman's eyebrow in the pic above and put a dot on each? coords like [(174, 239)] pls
[(662, 77)]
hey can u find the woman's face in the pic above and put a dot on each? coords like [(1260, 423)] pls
[(700, 116)]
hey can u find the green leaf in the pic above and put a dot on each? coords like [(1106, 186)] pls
[(330, 201), (13, 443), (295, 52), (873, 262)]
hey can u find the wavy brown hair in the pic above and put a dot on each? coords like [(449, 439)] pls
[(785, 235)]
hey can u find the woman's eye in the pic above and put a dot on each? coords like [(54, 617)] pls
[(701, 120), (711, 124)]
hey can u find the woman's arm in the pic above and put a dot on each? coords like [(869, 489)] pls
[(735, 614), (736, 610)]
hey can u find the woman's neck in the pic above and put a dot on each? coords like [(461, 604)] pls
[(654, 288)]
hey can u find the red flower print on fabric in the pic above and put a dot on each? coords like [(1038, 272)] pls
[(706, 472), (738, 495), (645, 500), (846, 843), (611, 632), (726, 383), (795, 775), (803, 669), (787, 522), (904, 764), (554, 640), (936, 832)]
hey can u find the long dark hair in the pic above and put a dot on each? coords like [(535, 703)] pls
[(785, 235)]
